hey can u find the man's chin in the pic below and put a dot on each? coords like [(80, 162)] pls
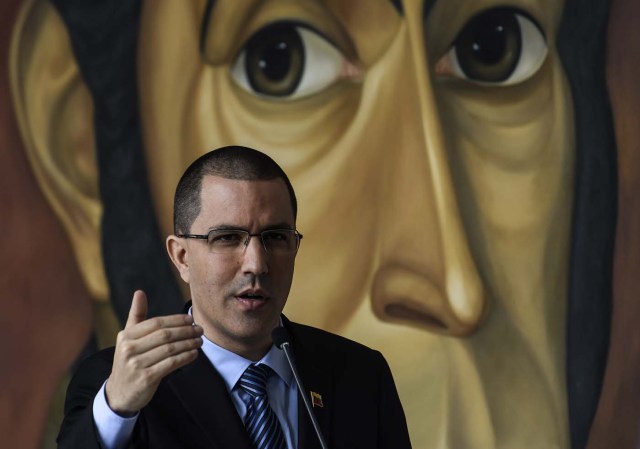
[(254, 330)]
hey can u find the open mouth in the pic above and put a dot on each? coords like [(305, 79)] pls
[(251, 300), (251, 297)]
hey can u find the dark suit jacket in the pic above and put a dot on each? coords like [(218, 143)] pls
[(192, 409)]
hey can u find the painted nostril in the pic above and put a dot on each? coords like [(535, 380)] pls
[(400, 294), (404, 313)]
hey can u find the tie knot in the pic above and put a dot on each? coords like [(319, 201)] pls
[(254, 379)]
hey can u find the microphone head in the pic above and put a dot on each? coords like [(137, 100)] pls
[(280, 336)]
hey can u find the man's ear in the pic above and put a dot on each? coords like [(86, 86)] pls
[(55, 116), (179, 256)]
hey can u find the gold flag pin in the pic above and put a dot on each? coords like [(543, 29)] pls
[(316, 399)]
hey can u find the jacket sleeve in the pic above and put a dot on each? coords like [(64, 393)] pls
[(78, 429), (392, 430)]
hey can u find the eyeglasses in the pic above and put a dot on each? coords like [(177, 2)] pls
[(235, 241)]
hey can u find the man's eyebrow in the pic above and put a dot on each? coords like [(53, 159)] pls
[(281, 225), (233, 227), (225, 227)]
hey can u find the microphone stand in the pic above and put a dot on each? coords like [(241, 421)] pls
[(287, 352)]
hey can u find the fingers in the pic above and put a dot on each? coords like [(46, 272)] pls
[(173, 353), (164, 336), (146, 352), (138, 310), (153, 324), (169, 364), (131, 395)]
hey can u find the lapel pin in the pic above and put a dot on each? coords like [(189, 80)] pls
[(316, 399)]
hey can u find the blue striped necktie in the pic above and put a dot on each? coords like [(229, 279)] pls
[(261, 422)]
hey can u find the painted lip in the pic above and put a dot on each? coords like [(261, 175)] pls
[(252, 298)]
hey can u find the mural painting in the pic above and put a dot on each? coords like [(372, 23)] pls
[(455, 164)]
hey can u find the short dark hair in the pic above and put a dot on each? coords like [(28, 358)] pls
[(230, 162)]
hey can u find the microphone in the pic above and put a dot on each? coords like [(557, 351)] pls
[(282, 340)]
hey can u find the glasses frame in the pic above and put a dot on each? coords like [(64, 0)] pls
[(248, 239)]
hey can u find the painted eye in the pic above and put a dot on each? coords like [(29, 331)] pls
[(287, 61), (500, 46)]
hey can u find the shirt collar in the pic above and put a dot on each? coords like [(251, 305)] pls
[(231, 365)]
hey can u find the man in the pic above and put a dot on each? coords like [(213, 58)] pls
[(179, 380)]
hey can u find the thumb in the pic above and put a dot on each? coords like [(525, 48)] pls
[(138, 311)]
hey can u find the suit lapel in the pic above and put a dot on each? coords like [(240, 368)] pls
[(202, 392), (316, 377), (198, 386)]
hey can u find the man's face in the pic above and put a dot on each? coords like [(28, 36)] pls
[(432, 153), (224, 287)]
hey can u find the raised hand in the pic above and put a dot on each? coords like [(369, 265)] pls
[(146, 351)]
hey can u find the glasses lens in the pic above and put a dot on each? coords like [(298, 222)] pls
[(280, 241), (226, 241)]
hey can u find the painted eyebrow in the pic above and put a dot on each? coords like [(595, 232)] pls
[(397, 4), (204, 26)]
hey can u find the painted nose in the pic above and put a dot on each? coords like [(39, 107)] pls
[(426, 276)]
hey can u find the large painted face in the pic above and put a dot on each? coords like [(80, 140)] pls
[(431, 150)]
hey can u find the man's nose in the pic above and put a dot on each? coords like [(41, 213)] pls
[(426, 276), (255, 257)]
